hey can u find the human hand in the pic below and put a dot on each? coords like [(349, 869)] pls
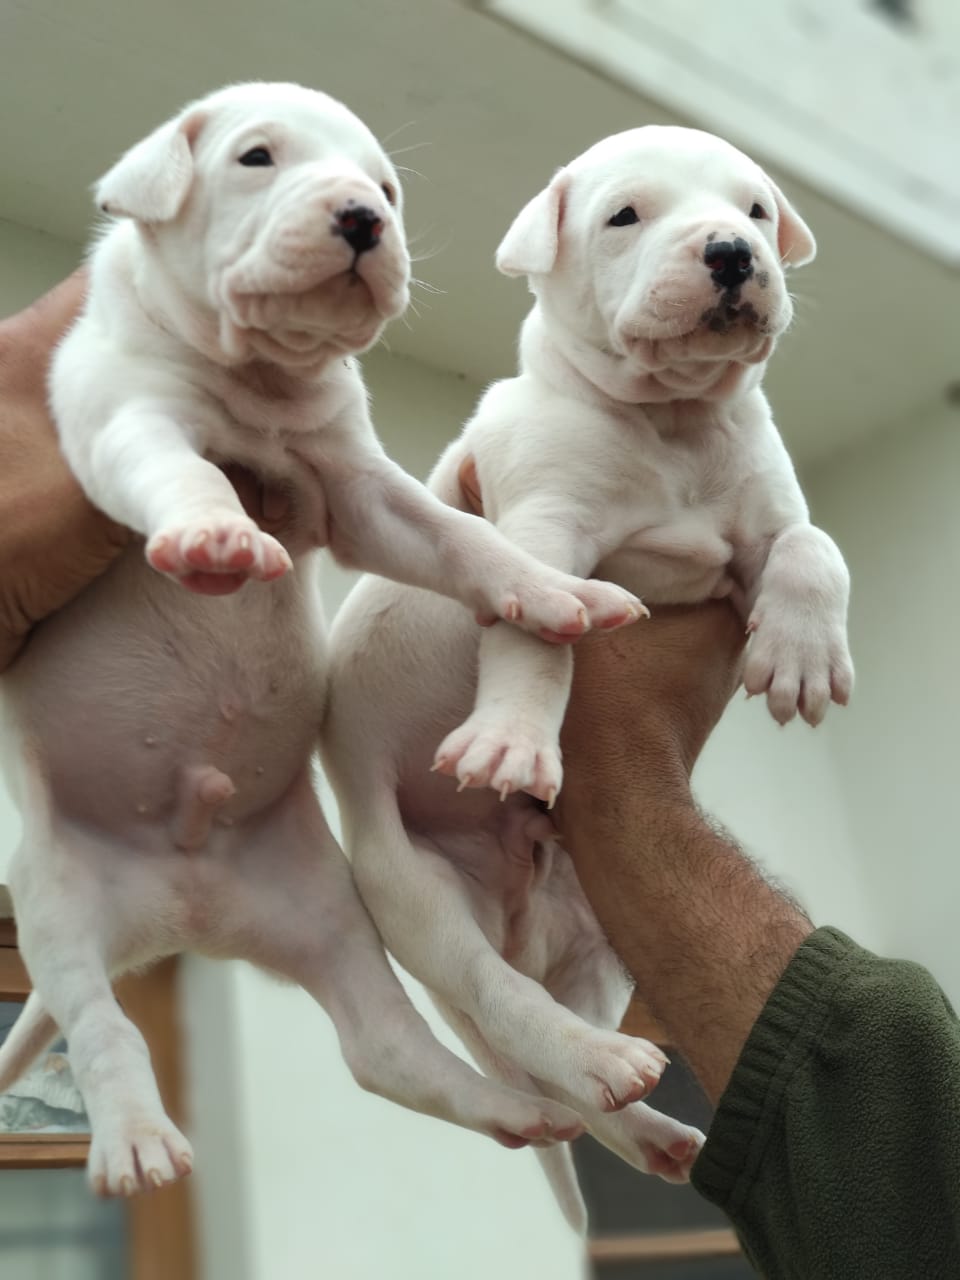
[(644, 703), (52, 541)]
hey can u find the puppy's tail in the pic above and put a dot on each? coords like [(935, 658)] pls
[(557, 1164), (556, 1161), (32, 1032)]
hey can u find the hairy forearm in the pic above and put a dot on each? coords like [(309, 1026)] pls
[(702, 932)]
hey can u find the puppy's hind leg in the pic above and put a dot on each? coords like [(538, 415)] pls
[(590, 980), (295, 909), (423, 907), (72, 934)]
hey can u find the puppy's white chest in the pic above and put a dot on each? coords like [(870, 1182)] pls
[(254, 415), (678, 560), (672, 525)]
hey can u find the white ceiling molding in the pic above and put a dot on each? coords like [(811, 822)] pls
[(861, 99)]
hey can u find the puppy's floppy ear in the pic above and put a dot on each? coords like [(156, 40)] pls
[(795, 240), (531, 245), (151, 181)]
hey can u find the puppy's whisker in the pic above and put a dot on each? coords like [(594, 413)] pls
[(414, 146), (426, 255), (426, 286), (419, 254), (408, 124)]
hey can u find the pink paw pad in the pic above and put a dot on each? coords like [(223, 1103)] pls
[(215, 556)]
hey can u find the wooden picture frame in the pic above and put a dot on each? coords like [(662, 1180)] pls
[(674, 1246)]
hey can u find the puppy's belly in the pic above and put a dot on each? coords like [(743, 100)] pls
[(124, 698)]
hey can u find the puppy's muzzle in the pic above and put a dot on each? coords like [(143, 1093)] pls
[(730, 262), (359, 225)]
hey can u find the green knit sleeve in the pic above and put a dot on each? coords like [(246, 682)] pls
[(835, 1149)]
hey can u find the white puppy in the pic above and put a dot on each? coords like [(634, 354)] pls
[(163, 739), (635, 443)]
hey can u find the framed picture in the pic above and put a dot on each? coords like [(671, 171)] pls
[(43, 1124)]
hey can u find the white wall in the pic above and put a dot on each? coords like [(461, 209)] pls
[(894, 508)]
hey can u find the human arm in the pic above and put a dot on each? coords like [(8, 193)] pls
[(53, 541), (666, 884), (835, 1147)]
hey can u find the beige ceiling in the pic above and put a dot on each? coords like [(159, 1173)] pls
[(484, 115)]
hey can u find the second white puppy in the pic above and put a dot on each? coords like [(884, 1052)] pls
[(635, 443)]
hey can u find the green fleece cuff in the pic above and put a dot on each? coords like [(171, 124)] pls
[(779, 1045)]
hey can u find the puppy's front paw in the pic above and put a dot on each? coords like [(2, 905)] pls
[(561, 608), (217, 554), (508, 757), (800, 665), (608, 606)]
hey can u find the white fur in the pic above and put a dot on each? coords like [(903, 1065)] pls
[(635, 443), (163, 739)]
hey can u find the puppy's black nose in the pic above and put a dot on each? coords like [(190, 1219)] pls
[(729, 263), (360, 227)]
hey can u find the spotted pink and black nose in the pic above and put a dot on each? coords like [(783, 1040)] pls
[(359, 225), (730, 262)]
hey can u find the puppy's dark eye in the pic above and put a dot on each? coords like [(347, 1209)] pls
[(256, 158), (758, 211), (625, 218), (389, 192)]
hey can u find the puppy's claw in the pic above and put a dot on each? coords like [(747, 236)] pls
[(556, 637)]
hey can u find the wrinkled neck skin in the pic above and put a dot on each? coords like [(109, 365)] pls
[(172, 291), (654, 372)]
